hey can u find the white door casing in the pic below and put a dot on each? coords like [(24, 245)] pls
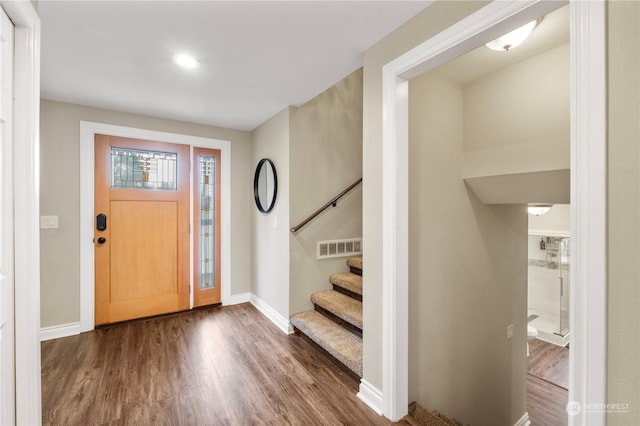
[(26, 130), (7, 325)]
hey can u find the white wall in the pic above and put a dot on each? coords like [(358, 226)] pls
[(60, 195), (543, 295), (467, 274), (270, 231), (557, 219), (325, 158)]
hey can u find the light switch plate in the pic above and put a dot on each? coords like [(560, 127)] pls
[(509, 331), (48, 222)]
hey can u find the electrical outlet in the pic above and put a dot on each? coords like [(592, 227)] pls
[(509, 331)]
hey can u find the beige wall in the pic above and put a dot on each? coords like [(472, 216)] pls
[(467, 274), (325, 158), (516, 136), (59, 195), (510, 127), (270, 231), (433, 20), (317, 149), (623, 327)]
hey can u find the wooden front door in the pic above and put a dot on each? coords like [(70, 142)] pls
[(141, 234)]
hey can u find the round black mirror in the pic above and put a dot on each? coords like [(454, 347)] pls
[(265, 185)]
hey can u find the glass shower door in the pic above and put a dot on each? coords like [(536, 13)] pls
[(564, 278)]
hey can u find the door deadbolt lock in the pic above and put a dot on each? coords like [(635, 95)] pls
[(101, 222)]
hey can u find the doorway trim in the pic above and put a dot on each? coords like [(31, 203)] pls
[(88, 130), (26, 177), (588, 201)]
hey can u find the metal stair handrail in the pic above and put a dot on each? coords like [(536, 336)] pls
[(333, 202)]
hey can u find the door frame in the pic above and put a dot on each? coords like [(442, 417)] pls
[(588, 201), (26, 177), (88, 130)]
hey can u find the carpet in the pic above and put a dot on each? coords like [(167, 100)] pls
[(342, 344), (427, 418)]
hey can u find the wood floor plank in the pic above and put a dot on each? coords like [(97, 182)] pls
[(549, 362), (546, 403), (547, 383), (221, 366)]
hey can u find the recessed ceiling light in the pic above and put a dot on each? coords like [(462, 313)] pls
[(186, 61)]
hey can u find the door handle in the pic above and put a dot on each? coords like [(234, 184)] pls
[(102, 240), (101, 222)]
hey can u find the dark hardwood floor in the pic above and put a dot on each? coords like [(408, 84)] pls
[(546, 403), (219, 366), (549, 362), (547, 384)]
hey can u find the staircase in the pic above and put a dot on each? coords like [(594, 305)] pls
[(335, 324)]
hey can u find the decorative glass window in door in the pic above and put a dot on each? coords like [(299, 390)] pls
[(206, 224), (141, 169), (207, 186)]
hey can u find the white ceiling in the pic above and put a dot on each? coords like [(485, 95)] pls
[(256, 57)]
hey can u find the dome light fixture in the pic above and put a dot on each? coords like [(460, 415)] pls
[(514, 38), (186, 61), (539, 209)]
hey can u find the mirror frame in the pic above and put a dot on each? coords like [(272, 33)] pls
[(256, 178)]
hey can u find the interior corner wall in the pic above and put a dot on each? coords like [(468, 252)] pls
[(60, 196), (436, 18), (270, 231), (623, 310), (467, 274), (511, 127), (325, 158)]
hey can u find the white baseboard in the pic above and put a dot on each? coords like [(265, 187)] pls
[(371, 396), (58, 331), (236, 299), (281, 322), (524, 420)]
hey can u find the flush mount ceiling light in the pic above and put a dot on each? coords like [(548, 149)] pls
[(538, 209), (514, 38), (186, 61)]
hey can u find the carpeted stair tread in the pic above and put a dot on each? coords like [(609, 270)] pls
[(341, 305), (348, 281), (427, 418), (343, 345), (355, 262)]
